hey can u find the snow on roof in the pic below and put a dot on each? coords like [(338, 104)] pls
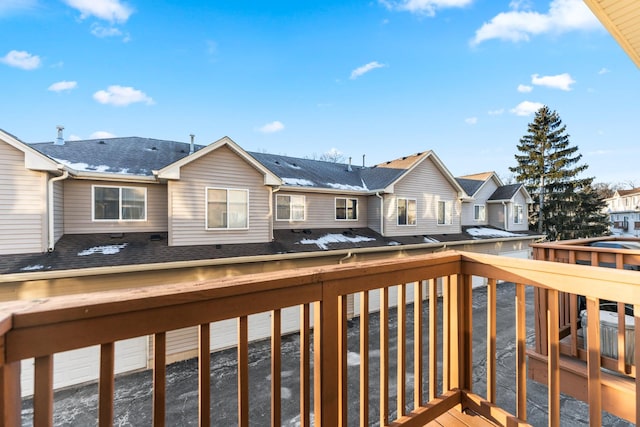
[(32, 267), (84, 167), (346, 187), (490, 232), (430, 240), (297, 181), (323, 241), (104, 250)]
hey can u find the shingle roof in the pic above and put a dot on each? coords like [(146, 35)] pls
[(482, 176), (470, 186), (505, 192), (130, 155), (628, 192)]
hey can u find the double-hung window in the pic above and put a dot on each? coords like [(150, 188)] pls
[(407, 211), (346, 209), (289, 208), (444, 212), (119, 203), (227, 208), (518, 214), (479, 212)]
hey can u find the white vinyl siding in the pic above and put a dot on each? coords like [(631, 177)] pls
[(78, 209), (58, 210), (119, 203), (523, 225), (221, 168), (517, 214), (227, 208), (320, 212), (427, 185), (23, 205), (480, 198), (445, 213), (290, 207), (373, 213), (479, 213), (346, 209), (407, 211)]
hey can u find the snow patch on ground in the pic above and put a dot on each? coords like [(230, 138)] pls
[(298, 181), (490, 232), (323, 241), (104, 250), (353, 359)]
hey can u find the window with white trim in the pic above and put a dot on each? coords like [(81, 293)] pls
[(289, 208), (445, 216), (227, 208), (112, 203), (518, 214), (479, 212), (407, 211), (346, 209)]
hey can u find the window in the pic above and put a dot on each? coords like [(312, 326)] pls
[(479, 213), (289, 208), (407, 211), (119, 203), (518, 215), (346, 209), (227, 208), (444, 213)]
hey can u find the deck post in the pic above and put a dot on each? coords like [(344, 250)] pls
[(10, 401)]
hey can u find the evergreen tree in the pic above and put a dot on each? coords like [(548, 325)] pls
[(565, 205)]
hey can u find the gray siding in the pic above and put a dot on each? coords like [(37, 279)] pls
[(427, 185), (221, 168), (321, 213), (23, 206), (519, 199), (373, 213), (495, 211), (58, 210), (78, 215), (488, 188)]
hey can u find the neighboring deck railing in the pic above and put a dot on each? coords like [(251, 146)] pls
[(41, 328)]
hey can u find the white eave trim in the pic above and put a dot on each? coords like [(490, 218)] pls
[(104, 176), (33, 159)]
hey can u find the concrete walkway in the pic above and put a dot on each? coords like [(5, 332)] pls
[(78, 406)]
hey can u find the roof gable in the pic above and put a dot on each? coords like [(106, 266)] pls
[(473, 183), (32, 158), (507, 193)]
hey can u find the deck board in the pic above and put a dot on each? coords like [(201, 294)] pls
[(455, 418)]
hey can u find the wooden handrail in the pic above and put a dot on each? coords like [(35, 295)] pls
[(41, 328)]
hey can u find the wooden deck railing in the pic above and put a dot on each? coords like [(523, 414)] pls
[(41, 328)]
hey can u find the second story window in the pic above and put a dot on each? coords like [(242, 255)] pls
[(227, 208), (289, 208), (479, 213), (407, 211), (346, 209), (518, 214), (119, 203), (444, 213)]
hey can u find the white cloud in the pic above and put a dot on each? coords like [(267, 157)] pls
[(496, 112), (604, 71), (519, 24), (272, 127), (121, 96), (73, 137), (101, 134), (471, 120), (524, 88), (560, 81), (424, 7), (526, 108), (102, 32), (365, 69), (21, 59), (62, 86), (108, 10)]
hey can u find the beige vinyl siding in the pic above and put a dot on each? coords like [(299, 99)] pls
[(373, 213), (321, 212), (23, 205), (58, 210), (78, 213), (481, 197), (495, 213), (221, 168), (427, 185), (519, 199)]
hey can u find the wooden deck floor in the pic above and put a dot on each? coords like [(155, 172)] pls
[(455, 418)]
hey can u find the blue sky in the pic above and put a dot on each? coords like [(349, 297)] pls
[(385, 78)]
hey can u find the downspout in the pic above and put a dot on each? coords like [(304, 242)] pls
[(273, 214), (381, 212), (50, 209)]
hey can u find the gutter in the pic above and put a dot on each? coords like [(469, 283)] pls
[(50, 208)]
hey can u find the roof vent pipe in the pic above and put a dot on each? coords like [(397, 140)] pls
[(349, 166), (363, 156), (59, 140), (191, 147)]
